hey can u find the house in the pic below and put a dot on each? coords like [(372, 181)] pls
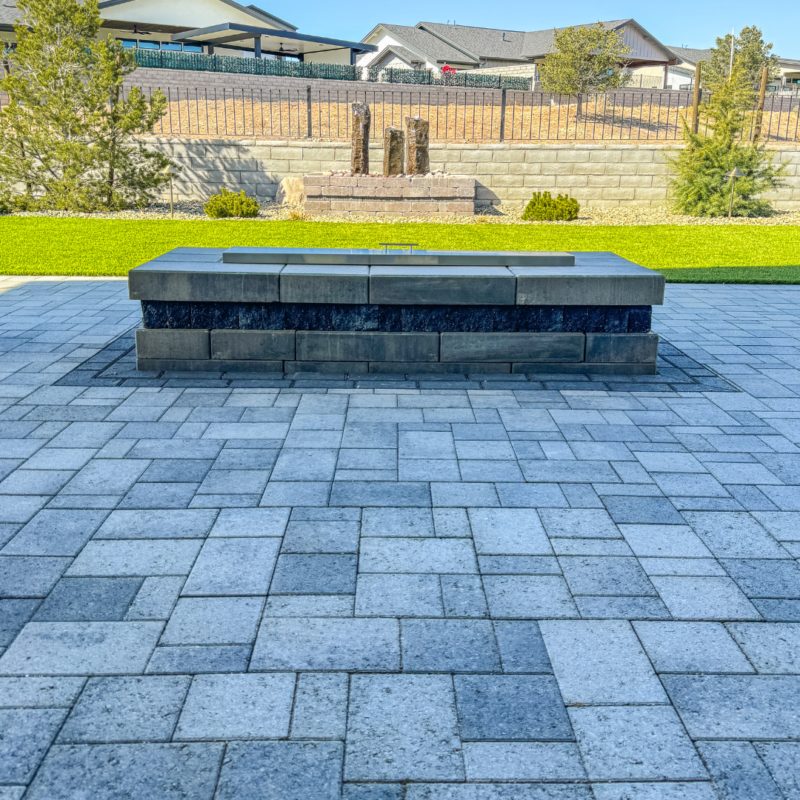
[(224, 27), (432, 45), (681, 74)]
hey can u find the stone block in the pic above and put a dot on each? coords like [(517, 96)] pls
[(337, 191), (337, 367), (459, 207), (637, 287), (366, 346), (440, 367), (249, 345), (441, 286), (637, 181), (302, 283), (529, 347), (172, 344), (630, 348), (201, 281)]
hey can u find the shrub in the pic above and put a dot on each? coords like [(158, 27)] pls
[(544, 207), (230, 204), (5, 205), (297, 216), (700, 187)]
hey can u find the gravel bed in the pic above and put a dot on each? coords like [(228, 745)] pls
[(503, 215)]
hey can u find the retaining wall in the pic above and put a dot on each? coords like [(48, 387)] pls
[(595, 174)]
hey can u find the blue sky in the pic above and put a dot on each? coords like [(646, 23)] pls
[(694, 23)]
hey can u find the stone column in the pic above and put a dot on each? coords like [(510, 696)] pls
[(359, 151), (417, 158), (393, 141)]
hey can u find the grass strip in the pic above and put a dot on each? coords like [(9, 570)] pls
[(79, 246), (789, 275)]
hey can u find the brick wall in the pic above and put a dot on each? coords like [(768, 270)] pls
[(596, 174)]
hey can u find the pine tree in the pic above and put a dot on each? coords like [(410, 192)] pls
[(584, 59), (751, 52), (700, 186), (66, 137), (130, 173)]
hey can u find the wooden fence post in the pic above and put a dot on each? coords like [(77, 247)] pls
[(760, 108), (696, 99)]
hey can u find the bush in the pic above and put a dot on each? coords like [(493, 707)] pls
[(700, 186), (543, 207), (230, 204)]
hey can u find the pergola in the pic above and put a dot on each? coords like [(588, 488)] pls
[(279, 43)]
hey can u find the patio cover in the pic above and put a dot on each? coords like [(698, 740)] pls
[(270, 40)]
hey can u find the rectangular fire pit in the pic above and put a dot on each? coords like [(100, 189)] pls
[(358, 311)]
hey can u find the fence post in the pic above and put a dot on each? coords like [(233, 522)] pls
[(696, 99), (308, 111), (760, 110), (502, 114)]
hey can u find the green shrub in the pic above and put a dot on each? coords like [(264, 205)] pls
[(230, 204), (700, 186), (6, 207), (544, 207)]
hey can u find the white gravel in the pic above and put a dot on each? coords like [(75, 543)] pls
[(503, 215)]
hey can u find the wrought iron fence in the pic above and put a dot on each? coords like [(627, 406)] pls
[(470, 115), (455, 115)]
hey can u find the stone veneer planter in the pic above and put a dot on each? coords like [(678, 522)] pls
[(406, 196), (358, 311)]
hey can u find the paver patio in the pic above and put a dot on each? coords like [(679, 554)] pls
[(402, 587)]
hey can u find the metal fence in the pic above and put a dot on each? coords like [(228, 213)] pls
[(454, 115)]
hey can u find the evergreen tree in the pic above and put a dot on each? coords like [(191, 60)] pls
[(751, 52), (700, 186), (66, 136), (585, 59)]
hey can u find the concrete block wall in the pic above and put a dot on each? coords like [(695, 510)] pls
[(152, 78), (595, 174)]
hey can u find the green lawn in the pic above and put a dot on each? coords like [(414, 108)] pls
[(69, 246)]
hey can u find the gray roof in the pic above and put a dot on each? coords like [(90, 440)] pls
[(8, 12), (691, 55), (481, 42), (540, 43), (464, 44), (432, 46), (404, 53)]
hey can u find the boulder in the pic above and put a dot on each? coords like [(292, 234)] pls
[(290, 192)]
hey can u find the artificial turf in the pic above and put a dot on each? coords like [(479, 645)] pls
[(718, 254)]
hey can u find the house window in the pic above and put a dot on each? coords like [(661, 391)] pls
[(170, 46), (145, 45), (129, 43), (193, 48)]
